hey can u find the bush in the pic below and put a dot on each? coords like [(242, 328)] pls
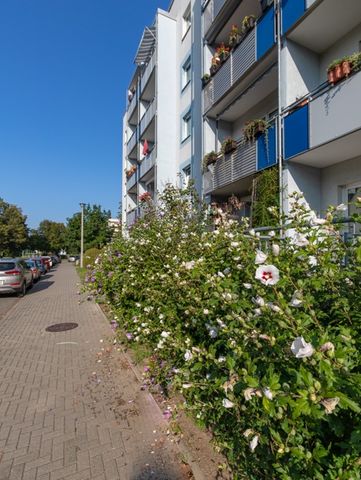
[(90, 256), (262, 339)]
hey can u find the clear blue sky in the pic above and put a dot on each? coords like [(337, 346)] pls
[(65, 67)]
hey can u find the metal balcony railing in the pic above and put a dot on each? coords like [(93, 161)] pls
[(147, 163), (132, 104), (131, 181), (132, 142), (147, 72), (132, 217), (232, 167), (147, 117), (239, 61)]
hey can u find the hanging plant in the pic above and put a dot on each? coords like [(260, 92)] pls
[(223, 52), (209, 159), (229, 145), (248, 23), (254, 128), (234, 36)]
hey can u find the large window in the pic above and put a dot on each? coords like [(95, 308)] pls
[(186, 126), (187, 21), (186, 73)]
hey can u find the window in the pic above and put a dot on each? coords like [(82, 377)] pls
[(186, 73), (187, 21), (186, 175), (186, 126)]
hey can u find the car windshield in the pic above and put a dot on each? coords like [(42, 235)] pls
[(4, 266), (30, 263), (38, 263)]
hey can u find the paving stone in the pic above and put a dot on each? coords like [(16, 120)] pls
[(57, 419)]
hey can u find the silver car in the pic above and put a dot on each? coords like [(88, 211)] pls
[(15, 276)]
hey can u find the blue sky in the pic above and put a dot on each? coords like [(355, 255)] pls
[(65, 66)]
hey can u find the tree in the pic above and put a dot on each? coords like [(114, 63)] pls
[(13, 229), (96, 229), (54, 234)]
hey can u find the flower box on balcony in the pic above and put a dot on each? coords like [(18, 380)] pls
[(205, 79), (130, 171), (145, 197), (229, 145), (209, 159), (248, 23), (254, 128), (343, 67), (234, 36)]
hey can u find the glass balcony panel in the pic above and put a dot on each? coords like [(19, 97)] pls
[(147, 163), (147, 117)]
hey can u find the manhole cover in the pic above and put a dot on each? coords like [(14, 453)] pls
[(61, 327)]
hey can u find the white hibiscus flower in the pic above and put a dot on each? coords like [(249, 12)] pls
[(268, 274), (261, 257), (301, 349)]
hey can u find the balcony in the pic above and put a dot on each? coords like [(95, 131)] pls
[(132, 181), (132, 217), (328, 129), (253, 47), (147, 73), (210, 12), (147, 164), (147, 117), (246, 160), (131, 105), (132, 142)]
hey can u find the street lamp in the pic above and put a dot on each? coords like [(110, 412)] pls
[(82, 234)]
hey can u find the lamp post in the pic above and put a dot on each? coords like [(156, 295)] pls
[(82, 235)]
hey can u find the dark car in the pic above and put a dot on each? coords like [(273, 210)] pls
[(34, 268), (15, 276), (41, 265)]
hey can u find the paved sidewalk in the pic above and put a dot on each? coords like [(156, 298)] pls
[(70, 406)]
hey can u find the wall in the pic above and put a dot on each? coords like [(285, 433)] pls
[(300, 72), (336, 177), (302, 178), (167, 79)]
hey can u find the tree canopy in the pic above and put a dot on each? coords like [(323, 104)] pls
[(96, 230), (13, 229)]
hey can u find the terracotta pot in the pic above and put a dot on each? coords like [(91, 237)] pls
[(346, 68), (331, 76), (338, 73)]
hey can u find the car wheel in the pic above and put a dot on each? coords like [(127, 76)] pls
[(23, 290)]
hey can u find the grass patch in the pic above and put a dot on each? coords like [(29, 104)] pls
[(81, 272)]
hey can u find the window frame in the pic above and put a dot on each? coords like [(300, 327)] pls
[(186, 20), (186, 126)]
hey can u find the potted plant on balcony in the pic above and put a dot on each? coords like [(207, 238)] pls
[(355, 60), (254, 128), (229, 145), (335, 71), (130, 171), (205, 79), (209, 160), (215, 63), (145, 197), (234, 36), (223, 52), (248, 23)]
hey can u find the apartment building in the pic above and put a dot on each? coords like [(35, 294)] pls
[(266, 99), (276, 72), (163, 116)]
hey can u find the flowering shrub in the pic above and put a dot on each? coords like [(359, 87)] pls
[(261, 338)]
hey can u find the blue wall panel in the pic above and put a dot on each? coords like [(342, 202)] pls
[(266, 149), (292, 10), (296, 132), (265, 33)]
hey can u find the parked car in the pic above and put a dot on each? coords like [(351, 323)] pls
[(47, 261), (15, 276), (41, 265), (34, 268), (73, 258)]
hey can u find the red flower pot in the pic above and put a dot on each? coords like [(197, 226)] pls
[(338, 73), (346, 68)]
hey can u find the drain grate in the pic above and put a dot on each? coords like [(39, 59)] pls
[(61, 327)]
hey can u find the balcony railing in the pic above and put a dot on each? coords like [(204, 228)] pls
[(147, 117), (258, 41), (247, 159), (132, 104), (332, 112), (147, 72), (147, 163), (132, 142), (132, 217), (131, 181)]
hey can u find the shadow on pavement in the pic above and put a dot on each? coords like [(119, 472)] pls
[(38, 287)]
